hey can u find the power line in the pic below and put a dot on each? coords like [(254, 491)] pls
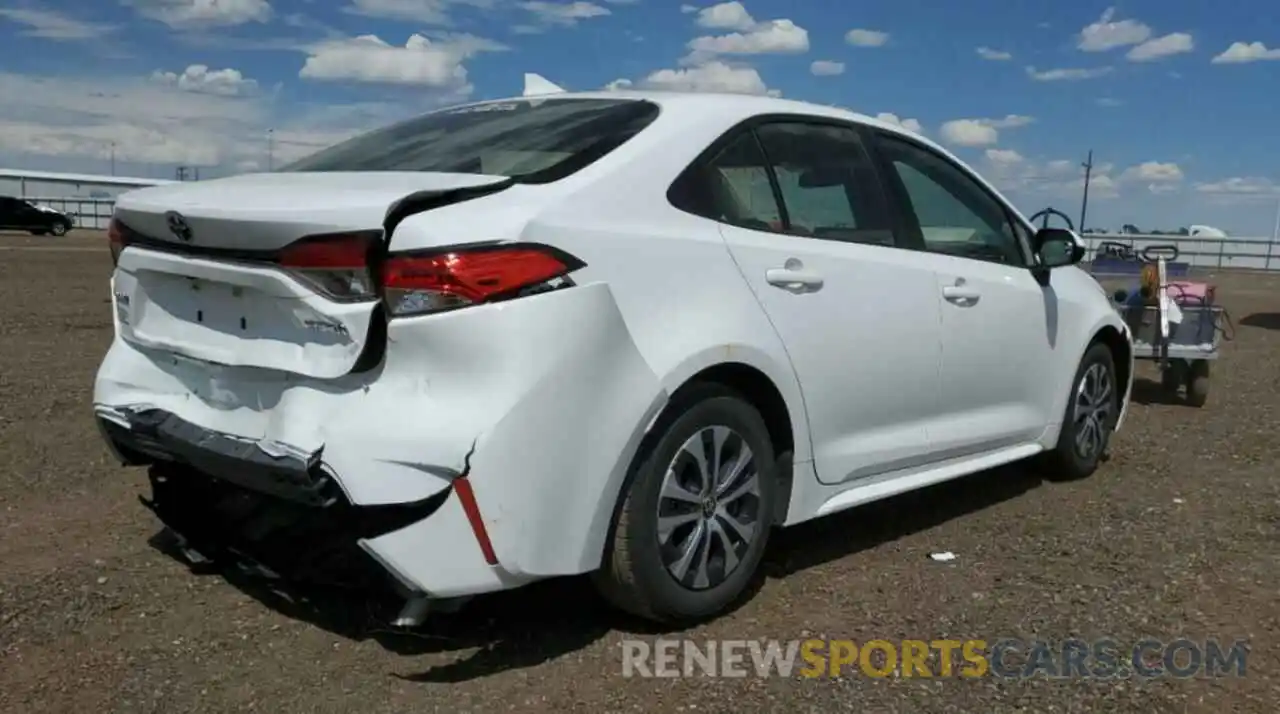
[(1084, 201)]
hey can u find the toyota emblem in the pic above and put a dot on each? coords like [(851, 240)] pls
[(178, 226)]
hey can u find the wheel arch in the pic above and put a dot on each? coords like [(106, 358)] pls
[(1121, 354), (783, 417)]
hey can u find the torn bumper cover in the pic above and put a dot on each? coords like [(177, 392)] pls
[(280, 513)]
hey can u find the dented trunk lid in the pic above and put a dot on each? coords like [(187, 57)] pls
[(198, 281)]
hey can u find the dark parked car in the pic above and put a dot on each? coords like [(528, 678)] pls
[(18, 214)]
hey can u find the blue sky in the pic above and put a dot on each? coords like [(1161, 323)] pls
[(1177, 98)]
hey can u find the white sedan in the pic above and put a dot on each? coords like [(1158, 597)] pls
[(620, 333)]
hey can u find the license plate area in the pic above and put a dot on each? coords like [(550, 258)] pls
[(231, 310), (203, 309)]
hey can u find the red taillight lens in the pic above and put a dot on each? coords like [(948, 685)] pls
[(422, 284), (336, 265), (117, 239)]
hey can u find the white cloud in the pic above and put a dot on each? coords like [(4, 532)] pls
[(564, 14), (911, 125), (73, 123), (980, 132), (618, 84), (1051, 181), (51, 25), (1108, 33), (200, 79), (1243, 52), (866, 38), (1067, 75), (1153, 171), (726, 16), (185, 14), (713, 76), (1241, 185), (420, 61), (431, 12), (994, 55), (147, 122), (1004, 157), (769, 37), (826, 68), (969, 132), (1161, 47)]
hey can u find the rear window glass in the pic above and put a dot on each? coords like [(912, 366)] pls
[(531, 140)]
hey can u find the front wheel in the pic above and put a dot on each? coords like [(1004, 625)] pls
[(696, 516), (58, 229), (1090, 417)]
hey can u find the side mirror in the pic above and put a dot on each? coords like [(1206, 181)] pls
[(1057, 247)]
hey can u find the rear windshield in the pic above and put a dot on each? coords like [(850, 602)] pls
[(531, 140)]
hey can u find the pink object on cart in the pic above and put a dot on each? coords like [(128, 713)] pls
[(1186, 292)]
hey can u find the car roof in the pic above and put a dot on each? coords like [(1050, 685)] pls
[(727, 108)]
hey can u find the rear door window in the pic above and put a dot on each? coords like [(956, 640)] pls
[(800, 178)]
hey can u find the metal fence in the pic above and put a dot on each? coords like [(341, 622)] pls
[(86, 212), (1206, 253)]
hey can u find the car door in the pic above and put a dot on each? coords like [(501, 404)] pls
[(25, 216), (999, 324), (805, 221), (8, 212)]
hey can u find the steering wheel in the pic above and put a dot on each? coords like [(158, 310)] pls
[(1044, 216), (1152, 252)]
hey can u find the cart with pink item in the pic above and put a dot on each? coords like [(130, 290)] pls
[(1175, 320)]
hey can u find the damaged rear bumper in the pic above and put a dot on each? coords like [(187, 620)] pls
[(280, 512)]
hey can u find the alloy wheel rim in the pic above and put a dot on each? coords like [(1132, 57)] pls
[(1093, 407), (708, 508)]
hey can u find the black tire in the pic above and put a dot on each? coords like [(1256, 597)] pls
[(634, 574), (1198, 383), (1065, 461), (59, 229), (1171, 377)]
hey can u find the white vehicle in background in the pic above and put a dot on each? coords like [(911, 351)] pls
[(1206, 232), (617, 333)]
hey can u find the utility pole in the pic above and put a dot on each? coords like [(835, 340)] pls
[(271, 136), (113, 158), (1084, 202)]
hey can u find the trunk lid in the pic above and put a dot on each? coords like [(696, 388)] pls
[(214, 285), (265, 212)]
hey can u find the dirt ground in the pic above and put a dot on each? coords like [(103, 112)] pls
[(1175, 536)]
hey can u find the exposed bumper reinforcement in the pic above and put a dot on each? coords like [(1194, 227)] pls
[(232, 503)]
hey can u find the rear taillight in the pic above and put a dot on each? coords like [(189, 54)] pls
[(337, 266), (117, 239), (419, 284)]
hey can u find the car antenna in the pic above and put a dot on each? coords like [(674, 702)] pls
[(535, 84)]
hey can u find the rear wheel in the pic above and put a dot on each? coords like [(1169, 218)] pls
[(1171, 377), (1198, 383), (696, 516), (1091, 414)]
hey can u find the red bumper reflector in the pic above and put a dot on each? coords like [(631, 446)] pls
[(467, 497)]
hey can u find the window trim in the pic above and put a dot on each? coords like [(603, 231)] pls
[(882, 210), (902, 201)]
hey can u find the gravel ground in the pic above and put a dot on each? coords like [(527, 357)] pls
[(1174, 536)]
